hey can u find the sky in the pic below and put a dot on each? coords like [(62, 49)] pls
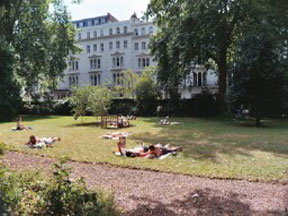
[(120, 9)]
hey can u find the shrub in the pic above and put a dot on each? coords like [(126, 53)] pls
[(2, 148), (30, 195)]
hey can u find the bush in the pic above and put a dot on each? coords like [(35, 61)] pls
[(29, 195)]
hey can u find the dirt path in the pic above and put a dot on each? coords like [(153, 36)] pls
[(146, 193)]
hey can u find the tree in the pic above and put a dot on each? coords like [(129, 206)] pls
[(79, 101), (10, 100), (259, 75), (129, 81), (42, 38), (99, 100), (147, 92), (92, 99), (196, 31)]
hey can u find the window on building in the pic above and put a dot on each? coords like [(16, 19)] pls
[(125, 29), (199, 79), (150, 30), (110, 31), (110, 45), (117, 30), (136, 32), (95, 79), (194, 79), (102, 47), (125, 44), (92, 22), (117, 44), (88, 35), (114, 78), (95, 47), (118, 61), (76, 65), (79, 36), (95, 34), (143, 62), (77, 25), (143, 45), (139, 62), (73, 65), (148, 62), (205, 78), (88, 48), (101, 33), (136, 46), (73, 81), (95, 63), (143, 31)]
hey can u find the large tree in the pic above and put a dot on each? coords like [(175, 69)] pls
[(201, 30), (43, 37), (259, 76)]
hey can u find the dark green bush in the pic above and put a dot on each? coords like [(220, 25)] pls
[(30, 195), (2, 148)]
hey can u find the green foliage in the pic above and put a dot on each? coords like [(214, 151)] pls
[(10, 100), (42, 36), (259, 76), (91, 98), (30, 195), (99, 100), (79, 101), (129, 81), (147, 93)]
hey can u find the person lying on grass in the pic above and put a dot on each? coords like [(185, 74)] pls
[(35, 142), (20, 126), (153, 151), (156, 151)]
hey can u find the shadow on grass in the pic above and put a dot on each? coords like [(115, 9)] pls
[(204, 138), (85, 124), (200, 202)]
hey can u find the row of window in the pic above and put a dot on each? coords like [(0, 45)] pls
[(117, 62), (102, 46), (143, 62), (73, 65), (93, 22), (117, 45), (95, 63), (118, 31), (73, 80), (95, 79)]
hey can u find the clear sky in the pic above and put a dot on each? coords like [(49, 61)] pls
[(121, 9)]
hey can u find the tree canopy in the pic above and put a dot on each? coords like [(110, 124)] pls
[(43, 38), (201, 30)]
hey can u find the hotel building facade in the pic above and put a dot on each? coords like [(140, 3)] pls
[(110, 46)]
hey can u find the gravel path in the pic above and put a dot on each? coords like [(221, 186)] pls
[(146, 193)]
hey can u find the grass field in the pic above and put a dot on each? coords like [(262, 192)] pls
[(215, 147)]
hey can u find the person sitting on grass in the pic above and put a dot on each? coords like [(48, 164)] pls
[(20, 126), (165, 121), (35, 142)]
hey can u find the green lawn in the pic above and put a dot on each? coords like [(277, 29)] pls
[(213, 147)]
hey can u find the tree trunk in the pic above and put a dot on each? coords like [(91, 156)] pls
[(222, 85)]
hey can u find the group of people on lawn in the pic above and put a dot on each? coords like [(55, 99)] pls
[(152, 151)]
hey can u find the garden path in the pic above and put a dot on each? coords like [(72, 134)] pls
[(145, 193)]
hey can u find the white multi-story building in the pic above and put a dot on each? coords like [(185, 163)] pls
[(109, 47)]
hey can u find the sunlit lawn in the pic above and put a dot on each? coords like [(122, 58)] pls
[(213, 147)]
